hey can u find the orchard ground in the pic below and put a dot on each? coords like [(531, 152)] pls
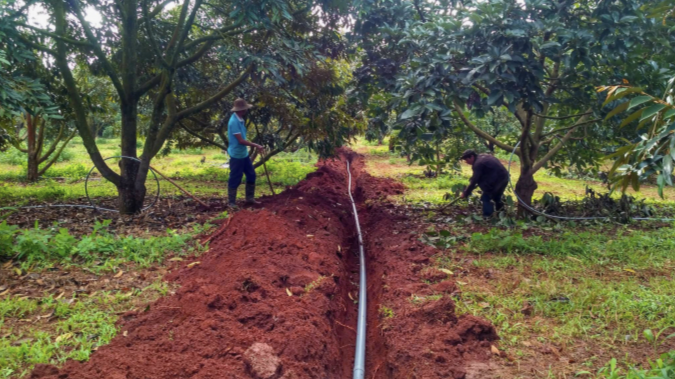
[(564, 298)]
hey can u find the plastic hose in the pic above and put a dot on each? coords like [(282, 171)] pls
[(360, 353)]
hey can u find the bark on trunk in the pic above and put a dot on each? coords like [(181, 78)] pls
[(130, 200), (131, 193), (525, 187), (32, 169)]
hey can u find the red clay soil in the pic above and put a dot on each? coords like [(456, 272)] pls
[(281, 280)]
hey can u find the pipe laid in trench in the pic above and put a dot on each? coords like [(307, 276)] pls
[(360, 353)]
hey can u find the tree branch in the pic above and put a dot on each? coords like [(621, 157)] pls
[(563, 118), (151, 35), (212, 142), (559, 146), (76, 100), (213, 99), (98, 51), (569, 127), (57, 155), (480, 132), (186, 31), (37, 46), (56, 36)]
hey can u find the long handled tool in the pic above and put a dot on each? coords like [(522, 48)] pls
[(448, 205), (269, 181)]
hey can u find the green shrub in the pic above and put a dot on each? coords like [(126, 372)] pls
[(66, 155), (108, 132), (75, 171), (13, 157), (286, 173)]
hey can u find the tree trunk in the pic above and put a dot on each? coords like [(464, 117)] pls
[(130, 200), (131, 195), (525, 187), (32, 172)]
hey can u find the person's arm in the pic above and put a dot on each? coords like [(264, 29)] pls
[(473, 182), (244, 142), (236, 132)]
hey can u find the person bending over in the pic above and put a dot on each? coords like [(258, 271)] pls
[(490, 175)]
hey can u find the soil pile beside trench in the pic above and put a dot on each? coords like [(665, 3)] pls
[(275, 297)]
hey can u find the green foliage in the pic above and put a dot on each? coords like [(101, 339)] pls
[(73, 171), (42, 246), (287, 173), (13, 157), (536, 62), (653, 153), (661, 368)]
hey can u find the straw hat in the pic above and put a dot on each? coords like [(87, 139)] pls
[(240, 105)]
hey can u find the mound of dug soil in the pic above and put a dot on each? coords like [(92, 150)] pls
[(275, 297)]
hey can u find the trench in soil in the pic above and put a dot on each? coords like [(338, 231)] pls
[(286, 275)]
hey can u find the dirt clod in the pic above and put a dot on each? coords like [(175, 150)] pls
[(261, 361)]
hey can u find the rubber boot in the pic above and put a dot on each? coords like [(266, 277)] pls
[(232, 198), (250, 194)]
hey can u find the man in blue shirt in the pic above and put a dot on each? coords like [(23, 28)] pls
[(240, 162)]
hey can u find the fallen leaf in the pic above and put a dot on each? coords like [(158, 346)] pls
[(574, 259), (629, 270), (118, 274), (525, 343), (40, 282), (194, 264), (125, 333), (17, 271), (176, 259), (462, 283), (494, 350), (63, 337), (288, 291), (310, 235), (5, 292), (60, 295), (484, 305), (8, 264), (339, 248), (350, 295), (445, 270)]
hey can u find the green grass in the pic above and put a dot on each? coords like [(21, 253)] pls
[(41, 247), (81, 325), (599, 284), (183, 166)]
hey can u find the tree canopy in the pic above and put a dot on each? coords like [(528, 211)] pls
[(167, 64), (449, 63)]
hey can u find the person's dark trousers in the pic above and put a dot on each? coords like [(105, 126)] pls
[(488, 198), (238, 168)]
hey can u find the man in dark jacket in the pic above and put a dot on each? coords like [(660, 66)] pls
[(490, 175)]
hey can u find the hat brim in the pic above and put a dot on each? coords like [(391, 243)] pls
[(237, 109)]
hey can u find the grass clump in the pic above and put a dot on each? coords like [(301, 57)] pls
[(81, 325), (661, 368), (40, 247)]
